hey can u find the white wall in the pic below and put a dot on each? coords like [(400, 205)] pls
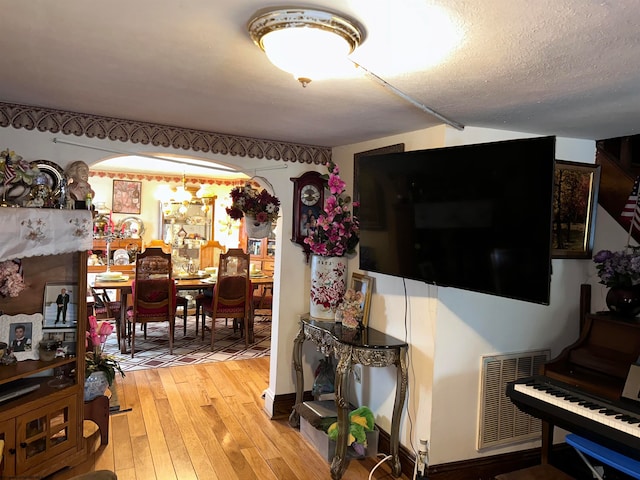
[(447, 329)]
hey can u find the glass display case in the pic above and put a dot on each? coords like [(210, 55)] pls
[(185, 227)]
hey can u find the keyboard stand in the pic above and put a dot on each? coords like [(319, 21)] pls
[(609, 457)]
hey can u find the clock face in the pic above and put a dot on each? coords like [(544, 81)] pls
[(310, 195), (308, 199)]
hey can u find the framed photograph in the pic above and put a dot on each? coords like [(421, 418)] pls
[(364, 284), (370, 212), (22, 333), (126, 196), (60, 305), (66, 337), (574, 209)]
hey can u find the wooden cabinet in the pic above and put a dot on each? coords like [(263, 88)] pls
[(262, 251), (131, 245), (43, 429), (186, 228)]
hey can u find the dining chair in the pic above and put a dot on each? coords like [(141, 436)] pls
[(181, 301), (154, 293), (106, 309), (209, 257), (210, 253), (232, 294)]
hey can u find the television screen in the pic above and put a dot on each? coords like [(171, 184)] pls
[(475, 217)]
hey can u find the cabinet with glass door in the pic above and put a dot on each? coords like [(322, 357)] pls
[(185, 227), (262, 251), (42, 400)]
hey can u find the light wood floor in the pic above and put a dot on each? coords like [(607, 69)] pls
[(207, 422)]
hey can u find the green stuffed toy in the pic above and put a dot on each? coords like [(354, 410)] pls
[(361, 421)]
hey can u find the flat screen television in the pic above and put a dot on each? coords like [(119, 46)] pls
[(475, 217)]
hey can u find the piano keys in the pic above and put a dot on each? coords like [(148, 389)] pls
[(614, 424)]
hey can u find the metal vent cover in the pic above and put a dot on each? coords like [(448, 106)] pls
[(500, 422)]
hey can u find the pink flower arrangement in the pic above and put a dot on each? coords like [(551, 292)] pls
[(96, 360), (249, 201), (336, 231), (11, 281)]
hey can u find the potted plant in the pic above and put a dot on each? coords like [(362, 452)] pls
[(100, 368), (259, 208), (620, 271)]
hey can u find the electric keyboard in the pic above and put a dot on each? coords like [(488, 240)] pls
[(615, 424)]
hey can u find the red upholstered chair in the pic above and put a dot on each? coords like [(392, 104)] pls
[(182, 302), (232, 294), (154, 293)]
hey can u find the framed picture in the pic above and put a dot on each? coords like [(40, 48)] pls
[(66, 337), (574, 209), (22, 333), (370, 212), (60, 305), (126, 196), (364, 284)]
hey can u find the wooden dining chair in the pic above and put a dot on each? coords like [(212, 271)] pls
[(210, 253), (232, 294), (181, 301), (154, 293), (106, 309)]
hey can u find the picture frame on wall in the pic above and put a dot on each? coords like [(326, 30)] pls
[(363, 284), (574, 209), (22, 333), (127, 196), (60, 305)]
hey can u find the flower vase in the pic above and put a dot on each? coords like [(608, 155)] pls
[(95, 385), (328, 284), (256, 229), (624, 301)]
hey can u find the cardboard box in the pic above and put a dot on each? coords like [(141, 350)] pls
[(327, 448)]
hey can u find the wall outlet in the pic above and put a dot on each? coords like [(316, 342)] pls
[(357, 373)]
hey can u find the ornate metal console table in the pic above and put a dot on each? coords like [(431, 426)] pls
[(368, 347)]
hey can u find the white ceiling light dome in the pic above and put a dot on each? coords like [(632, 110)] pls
[(309, 44)]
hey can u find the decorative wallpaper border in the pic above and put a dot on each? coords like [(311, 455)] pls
[(166, 178), (81, 124)]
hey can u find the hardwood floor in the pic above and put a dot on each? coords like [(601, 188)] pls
[(207, 422)]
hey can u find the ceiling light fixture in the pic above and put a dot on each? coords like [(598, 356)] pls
[(306, 43), (316, 44)]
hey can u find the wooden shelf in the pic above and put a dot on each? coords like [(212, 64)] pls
[(9, 373)]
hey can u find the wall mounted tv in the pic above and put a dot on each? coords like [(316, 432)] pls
[(475, 217)]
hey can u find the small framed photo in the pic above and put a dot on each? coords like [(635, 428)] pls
[(364, 284), (22, 333), (60, 305), (126, 196), (574, 209)]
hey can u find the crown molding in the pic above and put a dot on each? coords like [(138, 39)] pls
[(82, 124)]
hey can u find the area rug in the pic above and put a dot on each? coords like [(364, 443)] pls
[(190, 348)]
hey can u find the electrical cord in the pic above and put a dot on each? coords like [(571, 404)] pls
[(387, 457)]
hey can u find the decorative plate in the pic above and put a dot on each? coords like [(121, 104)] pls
[(133, 227), (51, 174), (196, 220)]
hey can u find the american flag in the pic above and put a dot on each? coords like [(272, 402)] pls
[(631, 211)]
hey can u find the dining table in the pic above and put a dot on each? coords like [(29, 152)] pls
[(183, 282)]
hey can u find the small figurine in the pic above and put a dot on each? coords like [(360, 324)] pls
[(78, 184)]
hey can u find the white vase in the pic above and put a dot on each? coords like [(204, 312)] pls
[(328, 284), (95, 385), (255, 229)]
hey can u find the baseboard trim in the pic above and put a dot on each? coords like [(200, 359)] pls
[(483, 468)]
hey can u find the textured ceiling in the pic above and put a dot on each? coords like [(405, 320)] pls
[(552, 67)]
